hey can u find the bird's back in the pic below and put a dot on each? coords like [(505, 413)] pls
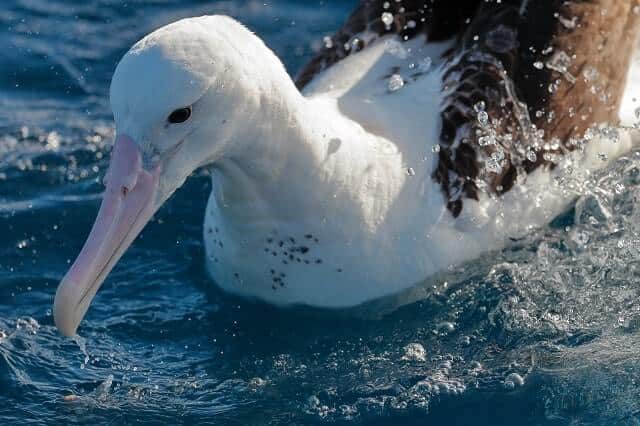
[(509, 87)]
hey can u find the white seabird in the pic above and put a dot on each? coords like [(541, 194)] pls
[(423, 137)]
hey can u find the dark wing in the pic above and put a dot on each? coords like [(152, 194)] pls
[(525, 81), (436, 19), (543, 71)]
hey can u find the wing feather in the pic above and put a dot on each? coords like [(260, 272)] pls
[(525, 81)]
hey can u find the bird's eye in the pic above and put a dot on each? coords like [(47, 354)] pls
[(180, 115)]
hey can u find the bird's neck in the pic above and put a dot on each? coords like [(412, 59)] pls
[(272, 131), (295, 157), (276, 135), (277, 147)]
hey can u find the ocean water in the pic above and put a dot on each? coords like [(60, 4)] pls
[(545, 332)]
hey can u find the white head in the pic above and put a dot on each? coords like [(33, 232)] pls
[(182, 97), (202, 70)]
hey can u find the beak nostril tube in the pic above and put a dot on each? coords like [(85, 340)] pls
[(123, 176)]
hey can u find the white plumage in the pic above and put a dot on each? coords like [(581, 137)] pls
[(323, 198)]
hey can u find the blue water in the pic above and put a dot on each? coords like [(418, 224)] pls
[(545, 332)]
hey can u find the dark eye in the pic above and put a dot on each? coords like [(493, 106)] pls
[(180, 115)]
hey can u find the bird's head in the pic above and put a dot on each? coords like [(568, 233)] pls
[(180, 97)]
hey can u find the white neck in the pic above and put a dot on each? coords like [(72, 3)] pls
[(302, 153), (291, 145), (296, 167)]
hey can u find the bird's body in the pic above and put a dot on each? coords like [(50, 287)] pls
[(330, 213), (342, 208), (407, 152)]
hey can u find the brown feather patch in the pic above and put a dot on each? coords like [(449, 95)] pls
[(529, 83), (527, 78)]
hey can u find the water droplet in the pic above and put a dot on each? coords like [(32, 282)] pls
[(611, 133), (396, 82), (425, 64), (580, 238), (414, 352), (355, 44), (561, 62), (486, 140), (475, 365), (396, 48), (257, 382), (513, 380), (387, 19), (590, 74), (483, 118), (494, 163), (445, 327), (568, 23)]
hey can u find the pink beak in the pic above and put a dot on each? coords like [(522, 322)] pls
[(127, 205)]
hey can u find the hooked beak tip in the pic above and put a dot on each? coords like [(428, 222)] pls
[(65, 315)]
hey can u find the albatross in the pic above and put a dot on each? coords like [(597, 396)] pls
[(422, 135)]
